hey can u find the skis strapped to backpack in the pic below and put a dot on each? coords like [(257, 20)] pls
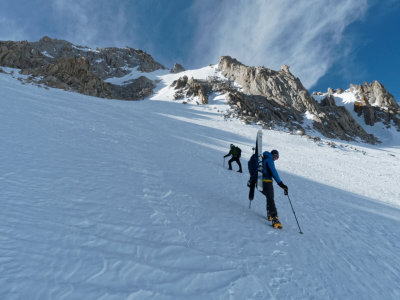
[(259, 154)]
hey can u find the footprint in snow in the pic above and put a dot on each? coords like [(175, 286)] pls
[(278, 252)]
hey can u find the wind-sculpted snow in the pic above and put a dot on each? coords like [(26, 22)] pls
[(130, 200)]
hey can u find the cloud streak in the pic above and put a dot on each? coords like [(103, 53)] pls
[(10, 30), (93, 22), (307, 35)]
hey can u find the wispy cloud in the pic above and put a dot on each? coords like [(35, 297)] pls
[(307, 35), (10, 30), (93, 22)]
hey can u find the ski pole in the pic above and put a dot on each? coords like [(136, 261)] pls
[(294, 214)]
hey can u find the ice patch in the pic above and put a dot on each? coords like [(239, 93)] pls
[(45, 53)]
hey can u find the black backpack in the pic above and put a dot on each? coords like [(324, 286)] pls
[(253, 167), (239, 152)]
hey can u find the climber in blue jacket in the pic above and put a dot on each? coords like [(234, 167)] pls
[(269, 172)]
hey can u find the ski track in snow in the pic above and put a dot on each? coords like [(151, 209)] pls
[(130, 200)]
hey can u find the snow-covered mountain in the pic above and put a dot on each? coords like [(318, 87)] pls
[(61, 64), (132, 200), (370, 105), (278, 100), (258, 95)]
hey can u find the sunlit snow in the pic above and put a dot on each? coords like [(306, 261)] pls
[(104, 199)]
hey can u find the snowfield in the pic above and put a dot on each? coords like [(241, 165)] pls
[(105, 199)]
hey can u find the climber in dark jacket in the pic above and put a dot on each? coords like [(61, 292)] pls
[(270, 172), (236, 153), (253, 170)]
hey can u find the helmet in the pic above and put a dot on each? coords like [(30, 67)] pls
[(275, 152), (232, 146)]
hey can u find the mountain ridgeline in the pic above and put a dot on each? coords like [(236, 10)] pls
[(60, 64), (273, 99)]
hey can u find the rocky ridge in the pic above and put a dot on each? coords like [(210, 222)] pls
[(190, 87), (260, 95), (177, 68), (60, 64), (274, 99), (376, 104), (372, 101)]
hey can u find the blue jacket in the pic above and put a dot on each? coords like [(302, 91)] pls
[(269, 170)]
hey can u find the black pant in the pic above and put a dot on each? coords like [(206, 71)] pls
[(252, 186), (237, 161), (268, 191)]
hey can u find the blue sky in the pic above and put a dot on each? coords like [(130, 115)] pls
[(326, 43)]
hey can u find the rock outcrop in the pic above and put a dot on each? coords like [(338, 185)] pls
[(260, 95), (61, 64), (105, 62), (274, 99), (279, 86), (73, 74), (191, 87), (375, 94), (283, 101), (376, 104), (141, 87), (177, 68), (21, 55)]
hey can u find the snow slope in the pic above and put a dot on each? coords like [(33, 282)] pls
[(109, 199)]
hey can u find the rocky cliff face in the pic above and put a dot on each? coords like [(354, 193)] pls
[(371, 101), (273, 99), (376, 104), (191, 87), (105, 62), (279, 98), (375, 94), (21, 55), (61, 64), (267, 97), (71, 74), (177, 68)]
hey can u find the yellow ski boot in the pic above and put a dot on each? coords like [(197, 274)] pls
[(275, 223)]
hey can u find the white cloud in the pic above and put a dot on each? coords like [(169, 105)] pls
[(92, 22), (307, 35), (10, 30)]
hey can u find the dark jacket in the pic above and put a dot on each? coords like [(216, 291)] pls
[(235, 152), (253, 167)]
